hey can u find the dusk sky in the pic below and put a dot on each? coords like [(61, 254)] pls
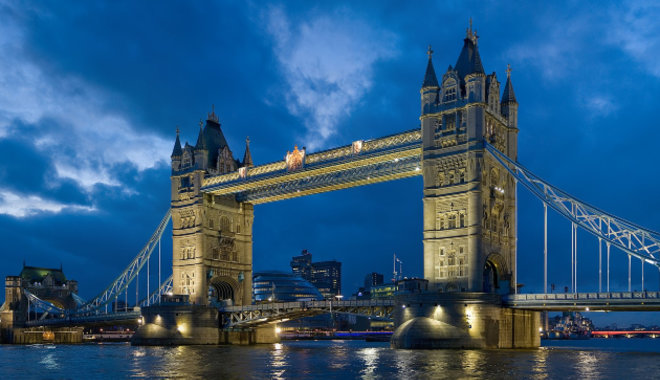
[(91, 95)]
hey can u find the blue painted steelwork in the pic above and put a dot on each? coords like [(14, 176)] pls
[(629, 237)]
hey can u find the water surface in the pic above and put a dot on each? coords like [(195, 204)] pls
[(587, 359)]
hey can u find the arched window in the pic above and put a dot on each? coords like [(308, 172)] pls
[(462, 220), (452, 221)]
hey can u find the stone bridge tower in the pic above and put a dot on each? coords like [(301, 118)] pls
[(212, 235), (469, 200)]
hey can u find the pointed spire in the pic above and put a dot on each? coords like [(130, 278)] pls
[(469, 61), (201, 141), (212, 116), (508, 96), (177, 152), (247, 157), (430, 80)]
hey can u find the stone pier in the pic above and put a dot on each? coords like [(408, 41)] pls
[(175, 325), (462, 320)]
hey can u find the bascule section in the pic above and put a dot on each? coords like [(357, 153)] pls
[(469, 200), (212, 234)]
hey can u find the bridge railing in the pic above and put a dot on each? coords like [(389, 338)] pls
[(308, 304), (584, 296)]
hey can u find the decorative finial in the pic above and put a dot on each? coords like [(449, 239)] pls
[(429, 52), (177, 131), (201, 123), (212, 116), (470, 34), (508, 70), (247, 140)]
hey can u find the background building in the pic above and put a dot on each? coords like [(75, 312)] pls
[(372, 279), (325, 275), (279, 286)]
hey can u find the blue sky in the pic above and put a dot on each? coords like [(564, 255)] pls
[(91, 94)]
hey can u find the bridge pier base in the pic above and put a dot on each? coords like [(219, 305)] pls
[(182, 324), (462, 320), (256, 335)]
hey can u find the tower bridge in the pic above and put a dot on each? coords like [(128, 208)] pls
[(466, 153)]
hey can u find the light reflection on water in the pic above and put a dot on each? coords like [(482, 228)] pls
[(333, 359)]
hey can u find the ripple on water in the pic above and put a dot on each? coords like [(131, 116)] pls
[(596, 358)]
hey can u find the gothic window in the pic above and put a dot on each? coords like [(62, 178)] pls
[(224, 224), (461, 267), (452, 221), (211, 224), (451, 260), (449, 94), (441, 222), (234, 256), (461, 176), (450, 122), (462, 220), (186, 159), (216, 253)]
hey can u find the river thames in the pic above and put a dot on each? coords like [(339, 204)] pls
[(595, 358)]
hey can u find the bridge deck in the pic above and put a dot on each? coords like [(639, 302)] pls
[(610, 301), (130, 317), (383, 159), (252, 315)]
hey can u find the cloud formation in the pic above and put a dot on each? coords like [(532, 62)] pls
[(328, 62), (68, 119), (21, 206), (634, 28)]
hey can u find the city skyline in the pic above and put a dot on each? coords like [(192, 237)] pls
[(88, 114)]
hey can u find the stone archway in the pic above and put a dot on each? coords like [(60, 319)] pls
[(494, 273), (223, 290)]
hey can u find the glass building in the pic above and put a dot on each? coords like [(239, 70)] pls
[(282, 287)]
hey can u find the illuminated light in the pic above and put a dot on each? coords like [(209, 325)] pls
[(396, 160), (403, 306), (587, 309), (181, 328), (170, 293), (278, 330), (417, 169), (540, 329)]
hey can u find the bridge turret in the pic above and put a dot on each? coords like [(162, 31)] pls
[(509, 102), (177, 152), (201, 149), (247, 157), (430, 86)]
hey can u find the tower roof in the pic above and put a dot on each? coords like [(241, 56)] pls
[(430, 80), (201, 141), (469, 61), (38, 274), (508, 96), (177, 152), (247, 157)]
